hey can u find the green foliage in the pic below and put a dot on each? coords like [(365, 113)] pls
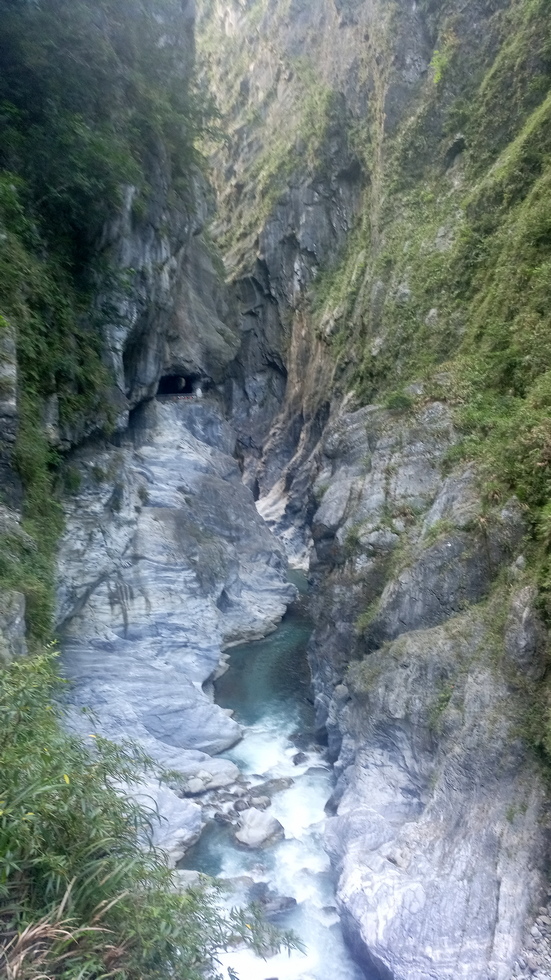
[(544, 524), (399, 401), (27, 551), (72, 479), (351, 542), (440, 528), (441, 59), (439, 706), (71, 853), (438, 64), (365, 619), (87, 91)]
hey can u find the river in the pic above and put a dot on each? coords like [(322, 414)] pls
[(268, 687)]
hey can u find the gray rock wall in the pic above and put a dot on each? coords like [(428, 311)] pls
[(289, 186), (9, 479), (163, 563), (173, 315), (319, 101), (428, 646), (424, 660)]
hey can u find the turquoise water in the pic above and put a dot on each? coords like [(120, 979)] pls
[(268, 687), (271, 676)]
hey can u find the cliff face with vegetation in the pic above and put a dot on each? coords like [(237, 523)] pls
[(381, 351), (106, 286), (384, 215), (384, 186)]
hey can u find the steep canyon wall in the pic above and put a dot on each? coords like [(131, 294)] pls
[(377, 369), (381, 201)]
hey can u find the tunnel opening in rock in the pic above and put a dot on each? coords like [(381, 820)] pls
[(176, 384)]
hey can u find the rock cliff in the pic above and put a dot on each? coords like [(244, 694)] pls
[(422, 664), (375, 201)]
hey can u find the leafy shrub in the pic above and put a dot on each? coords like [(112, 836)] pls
[(399, 401), (79, 895)]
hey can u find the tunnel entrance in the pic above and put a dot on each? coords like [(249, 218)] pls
[(175, 384)]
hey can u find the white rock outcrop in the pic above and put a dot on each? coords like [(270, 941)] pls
[(164, 561)]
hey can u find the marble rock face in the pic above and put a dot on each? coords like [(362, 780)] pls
[(421, 660), (164, 562), (174, 823)]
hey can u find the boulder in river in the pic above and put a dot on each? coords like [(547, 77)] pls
[(272, 902), (273, 786), (261, 802), (258, 828)]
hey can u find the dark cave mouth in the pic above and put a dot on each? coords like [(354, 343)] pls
[(177, 384)]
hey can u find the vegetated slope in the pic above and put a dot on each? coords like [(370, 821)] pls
[(461, 261), (455, 285), (442, 114), (93, 97)]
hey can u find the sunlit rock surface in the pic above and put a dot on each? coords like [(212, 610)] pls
[(163, 562), (438, 831)]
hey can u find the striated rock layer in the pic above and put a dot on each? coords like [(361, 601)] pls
[(163, 563), (438, 834)]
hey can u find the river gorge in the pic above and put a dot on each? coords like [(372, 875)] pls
[(275, 379), (268, 685)]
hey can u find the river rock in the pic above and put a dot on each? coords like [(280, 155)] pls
[(241, 805), (174, 823), (223, 818), (273, 786), (213, 773), (261, 802), (272, 903), (258, 828)]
